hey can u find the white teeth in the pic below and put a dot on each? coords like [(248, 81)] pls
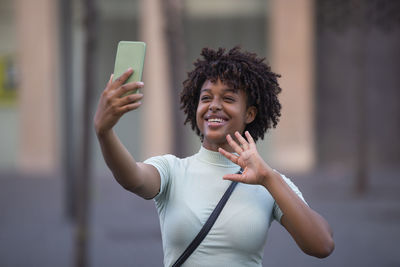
[(215, 120)]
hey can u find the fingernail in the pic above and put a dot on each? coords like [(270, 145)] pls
[(140, 83), (129, 69)]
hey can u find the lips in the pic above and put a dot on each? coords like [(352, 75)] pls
[(219, 120), (213, 120)]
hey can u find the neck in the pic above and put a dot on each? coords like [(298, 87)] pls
[(214, 158), (214, 147)]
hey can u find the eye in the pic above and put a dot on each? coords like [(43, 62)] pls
[(229, 99), (205, 98)]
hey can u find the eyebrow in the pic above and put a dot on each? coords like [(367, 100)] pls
[(225, 90)]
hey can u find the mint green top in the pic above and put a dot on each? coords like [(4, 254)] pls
[(190, 190)]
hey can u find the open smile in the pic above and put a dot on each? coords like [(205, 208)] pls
[(214, 121)]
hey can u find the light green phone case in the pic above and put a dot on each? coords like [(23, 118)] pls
[(130, 54)]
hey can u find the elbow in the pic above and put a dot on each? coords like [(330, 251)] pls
[(139, 191), (324, 250), (131, 188)]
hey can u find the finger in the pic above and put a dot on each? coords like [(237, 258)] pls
[(249, 138), (233, 144), (130, 99), (129, 107), (122, 79), (110, 80), (243, 141), (234, 177), (228, 155), (128, 87), (108, 85)]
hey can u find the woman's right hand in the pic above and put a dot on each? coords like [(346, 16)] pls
[(113, 104)]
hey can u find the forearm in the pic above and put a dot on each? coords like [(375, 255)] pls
[(123, 166), (139, 178), (310, 231)]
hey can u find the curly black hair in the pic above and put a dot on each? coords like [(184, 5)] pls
[(239, 70)]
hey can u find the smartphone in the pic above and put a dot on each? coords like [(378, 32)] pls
[(130, 54)]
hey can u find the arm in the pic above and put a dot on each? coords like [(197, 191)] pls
[(310, 231), (139, 178)]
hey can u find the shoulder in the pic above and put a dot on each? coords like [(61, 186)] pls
[(168, 161), (292, 185), (289, 182), (161, 160)]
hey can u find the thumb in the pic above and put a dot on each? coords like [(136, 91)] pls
[(233, 177), (110, 80)]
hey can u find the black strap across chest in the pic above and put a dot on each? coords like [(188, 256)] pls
[(207, 226)]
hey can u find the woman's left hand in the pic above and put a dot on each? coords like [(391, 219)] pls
[(255, 169), (309, 229)]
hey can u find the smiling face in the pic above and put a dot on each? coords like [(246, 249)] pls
[(222, 111)]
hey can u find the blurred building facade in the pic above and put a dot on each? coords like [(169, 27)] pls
[(44, 40), (357, 81)]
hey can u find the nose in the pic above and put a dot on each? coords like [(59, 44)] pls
[(215, 105)]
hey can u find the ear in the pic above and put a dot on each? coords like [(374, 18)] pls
[(251, 114)]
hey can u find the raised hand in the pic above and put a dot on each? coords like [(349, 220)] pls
[(113, 104), (255, 170)]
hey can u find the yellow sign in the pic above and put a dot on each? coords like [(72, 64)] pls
[(8, 86)]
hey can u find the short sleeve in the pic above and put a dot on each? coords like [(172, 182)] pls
[(277, 212), (163, 165)]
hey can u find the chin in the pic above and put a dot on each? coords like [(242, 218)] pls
[(215, 139), (214, 135)]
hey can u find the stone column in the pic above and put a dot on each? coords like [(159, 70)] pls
[(157, 125), (291, 35), (36, 24)]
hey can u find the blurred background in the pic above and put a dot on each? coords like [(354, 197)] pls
[(337, 138)]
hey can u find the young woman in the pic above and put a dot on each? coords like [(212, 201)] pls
[(230, 101)]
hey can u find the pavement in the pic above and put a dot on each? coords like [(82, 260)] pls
[(34, 230)]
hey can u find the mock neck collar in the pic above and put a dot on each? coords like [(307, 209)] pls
[(214, 158)]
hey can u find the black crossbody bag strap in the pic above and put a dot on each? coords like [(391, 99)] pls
[(207, 226)]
